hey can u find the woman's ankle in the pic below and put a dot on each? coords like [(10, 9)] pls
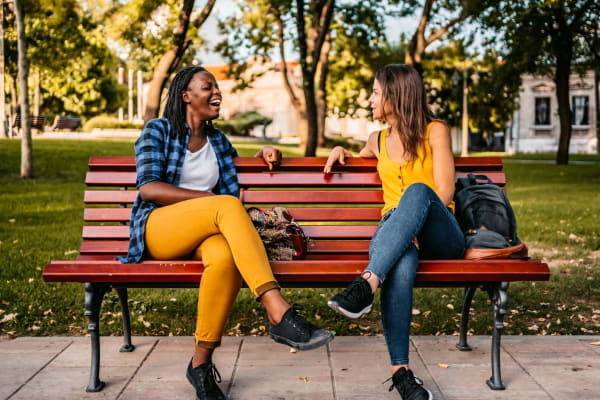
[(372, 279), (202, 355), (275, 305), (395, 368)]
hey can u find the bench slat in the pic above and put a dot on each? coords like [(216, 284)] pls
[(119, 247), (313, 196), (253, 164), (119, 178), (304, 271), (110, 196), (312, 231), (118, 214)]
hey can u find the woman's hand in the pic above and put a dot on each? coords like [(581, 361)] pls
[(338, 153), (271, 155)]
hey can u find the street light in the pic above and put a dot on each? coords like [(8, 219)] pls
[(465, 109)]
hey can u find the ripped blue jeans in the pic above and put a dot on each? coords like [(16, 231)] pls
[(394, 259)]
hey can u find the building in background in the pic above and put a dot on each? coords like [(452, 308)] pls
[(536, 125)]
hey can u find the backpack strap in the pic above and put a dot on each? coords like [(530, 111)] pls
[(379, 142)]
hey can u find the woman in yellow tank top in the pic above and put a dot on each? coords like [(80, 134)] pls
[(416, 168)]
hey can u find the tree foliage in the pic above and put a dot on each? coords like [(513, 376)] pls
[(546, 37), (71, 52)]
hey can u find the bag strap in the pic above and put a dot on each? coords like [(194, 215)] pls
[(379, 142), (472, 180)]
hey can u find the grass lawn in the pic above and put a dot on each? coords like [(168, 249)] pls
[(558, 210)]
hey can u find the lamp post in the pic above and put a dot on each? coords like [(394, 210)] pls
[(465, 108)]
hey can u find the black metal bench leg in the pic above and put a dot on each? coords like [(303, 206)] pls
[(94, 293), (127, 346), (499, 297), (464, 319)]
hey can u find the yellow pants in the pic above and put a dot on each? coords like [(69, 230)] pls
[(218, 231)]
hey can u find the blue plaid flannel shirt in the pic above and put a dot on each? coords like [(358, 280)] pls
[(159, 157)]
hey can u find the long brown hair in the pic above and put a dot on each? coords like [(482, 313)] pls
[(402, 88)]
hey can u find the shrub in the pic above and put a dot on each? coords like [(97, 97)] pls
[(108, 122), (241, 124)]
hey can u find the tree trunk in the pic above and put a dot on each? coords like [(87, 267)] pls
[(311, 116), (36, 97), (171, 59), (14, 96), (26, 151), (322, 90), (596, 80), (562, 41)]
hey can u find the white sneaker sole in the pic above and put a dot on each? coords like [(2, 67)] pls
[(336, 307)]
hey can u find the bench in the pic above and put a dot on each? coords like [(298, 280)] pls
[(37, 122), (333, 209), (61, 122)]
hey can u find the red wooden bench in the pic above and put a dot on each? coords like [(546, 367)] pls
[(339, 212)]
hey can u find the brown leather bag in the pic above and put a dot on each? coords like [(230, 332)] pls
[(518, 251), (282, 237), (484, 244)]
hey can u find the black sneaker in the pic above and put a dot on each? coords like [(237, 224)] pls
[(409, 386), (296, 332), (204, 378), (354, 301)]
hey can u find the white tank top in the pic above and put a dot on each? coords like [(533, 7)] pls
[(200, 170)]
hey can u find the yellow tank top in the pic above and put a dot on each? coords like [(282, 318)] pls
[(395, 178)]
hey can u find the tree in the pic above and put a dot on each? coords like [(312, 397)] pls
[(442, 16), (491, 100), (546, 37), (160, 34), (59, 31), (26, 150), (316, 29)]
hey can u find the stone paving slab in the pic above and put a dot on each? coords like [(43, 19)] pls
[(533, 367), (566, 369), (462, 374), (22, 358)]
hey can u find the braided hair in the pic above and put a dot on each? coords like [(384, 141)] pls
[(174, 110)]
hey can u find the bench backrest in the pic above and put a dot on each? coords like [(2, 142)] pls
[(37, 121), (338, 211), (61, 122)]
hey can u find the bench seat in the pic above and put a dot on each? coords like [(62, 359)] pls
[(339, 212)]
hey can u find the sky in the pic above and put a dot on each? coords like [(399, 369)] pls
[(394, 28)]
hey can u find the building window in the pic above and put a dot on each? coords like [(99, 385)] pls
[(542, 111), (580, 110)]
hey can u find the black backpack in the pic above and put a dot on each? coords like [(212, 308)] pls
[(486, 218)]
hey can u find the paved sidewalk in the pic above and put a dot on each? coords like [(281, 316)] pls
[(533, 367)]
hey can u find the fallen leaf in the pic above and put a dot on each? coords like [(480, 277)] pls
[(9, 317), (352, 326), (35, 328), (70, 252), (38, 269), (164, 326), (146, 324), (49, 311), (112, 321), (31, 280), (533, 327), (304, 378), (415, 311), (450, 307), (414, 325), (173, 299), (443, 365), (293, 350), (596, 343), (426, 313), (12, 220)]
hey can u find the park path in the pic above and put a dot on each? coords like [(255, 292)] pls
[(351, 367)]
